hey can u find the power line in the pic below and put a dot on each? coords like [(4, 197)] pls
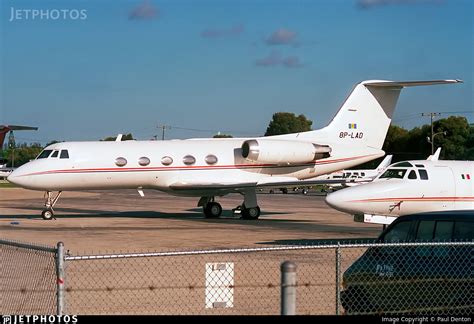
[(163, 128)]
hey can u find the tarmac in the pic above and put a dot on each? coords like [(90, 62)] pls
[(121, 220)]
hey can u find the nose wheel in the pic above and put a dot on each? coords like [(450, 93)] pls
[(47, 214), (51, 200)]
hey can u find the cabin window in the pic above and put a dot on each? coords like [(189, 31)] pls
[(211, 159), (398, 233), (425, 231), (55, 154), (423, 174), (362, 174), (143, 161), (120, 161), (463, 230), (412, 175), (44, 154), (166, 160), (444, 230), (189, 160), (394, 173), (64, 154)]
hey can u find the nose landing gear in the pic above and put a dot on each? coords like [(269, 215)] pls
[(51, 200)]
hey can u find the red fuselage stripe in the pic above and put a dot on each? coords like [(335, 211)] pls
[(419, 199)]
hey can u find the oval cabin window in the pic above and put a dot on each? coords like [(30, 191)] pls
[(211, 159), (189, 160), (120, 161), (166, 160), (143, 161)]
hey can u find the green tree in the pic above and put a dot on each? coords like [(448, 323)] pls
[(286, 123), (222, 136), (470, 144), (22, 153), (457, 144)]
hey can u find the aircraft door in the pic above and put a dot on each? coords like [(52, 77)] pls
[(444, 187)]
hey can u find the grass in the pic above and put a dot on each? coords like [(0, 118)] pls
[(6, 184)]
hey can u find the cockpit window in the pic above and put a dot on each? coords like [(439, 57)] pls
[(64, 154), (412, 175), (402, 164), (44, 154), (423, 174), (394, 173), (55, 154)]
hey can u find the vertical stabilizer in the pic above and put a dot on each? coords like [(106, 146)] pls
[(385, 163), (365, 116)]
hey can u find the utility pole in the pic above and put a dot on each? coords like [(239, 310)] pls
[(11, 145), (432, 115), (163, 127)]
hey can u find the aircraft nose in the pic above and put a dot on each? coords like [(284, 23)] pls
[(343, 200), (337, 200), (12, 177), (16, 177)]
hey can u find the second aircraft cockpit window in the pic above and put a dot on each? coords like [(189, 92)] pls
[(394, 173), (44, 154)]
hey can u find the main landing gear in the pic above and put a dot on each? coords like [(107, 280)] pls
[(213, 209), (51, 200)]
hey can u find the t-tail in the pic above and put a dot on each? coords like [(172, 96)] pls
[(4, 129), (364, 118)]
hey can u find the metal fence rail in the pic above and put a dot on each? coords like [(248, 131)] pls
[(360, 278), (27, 278)]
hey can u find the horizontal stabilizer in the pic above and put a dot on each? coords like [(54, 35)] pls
[(408, 83), (16, 127)]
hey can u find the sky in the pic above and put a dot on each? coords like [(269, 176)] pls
[(85, 70)]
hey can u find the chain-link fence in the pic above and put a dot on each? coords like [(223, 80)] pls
[(27, 278), (368, 278)]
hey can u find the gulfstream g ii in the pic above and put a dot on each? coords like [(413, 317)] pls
[(211, 168)]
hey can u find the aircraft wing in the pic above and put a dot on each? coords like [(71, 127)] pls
[(274, 182), (186, 186)]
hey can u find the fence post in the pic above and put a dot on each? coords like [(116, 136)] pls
[(288, 288), (60, 278), (338, 275)]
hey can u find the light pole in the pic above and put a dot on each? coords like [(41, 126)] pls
[(11, 145), (432, 140)]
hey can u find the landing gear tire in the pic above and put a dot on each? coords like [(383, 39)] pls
[(250, 213), (212, 210), (304, 191), (47, 214)]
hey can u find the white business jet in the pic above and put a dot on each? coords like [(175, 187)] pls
[(409, 187), (354, 177), (209, 168)]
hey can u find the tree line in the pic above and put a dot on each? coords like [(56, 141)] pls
[(454, 135)]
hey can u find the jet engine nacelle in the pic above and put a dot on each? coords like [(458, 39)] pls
[(283, 151)]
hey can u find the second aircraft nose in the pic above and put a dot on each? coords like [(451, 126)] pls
[(347, 200)]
